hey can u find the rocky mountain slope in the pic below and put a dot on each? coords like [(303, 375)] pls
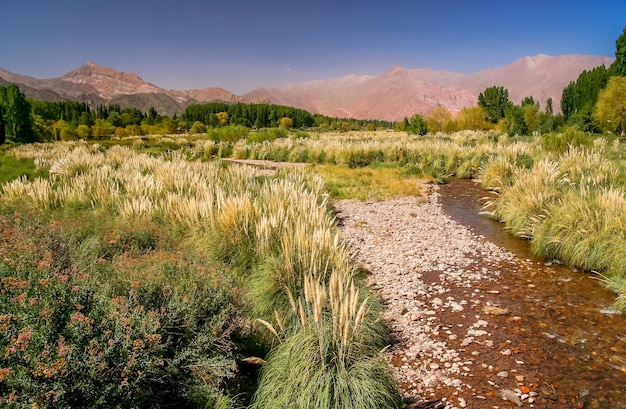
[(393, 95)]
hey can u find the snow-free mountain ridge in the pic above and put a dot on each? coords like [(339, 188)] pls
[(392, 95)]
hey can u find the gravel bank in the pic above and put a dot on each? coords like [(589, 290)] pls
[(439, 283)]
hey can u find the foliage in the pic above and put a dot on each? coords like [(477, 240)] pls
[(610, 111), (163, 222), (16, 114), (619, 65), (231, 133), (267, 135), (285, 123), (439, 120), (133, 331), (13, 168), (494, 100), (514, 121), (416, 125), (338, 364), (2, 130), (580, 96), (473, 118), (569, 137)]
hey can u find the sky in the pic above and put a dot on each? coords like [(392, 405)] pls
[(240, 45)]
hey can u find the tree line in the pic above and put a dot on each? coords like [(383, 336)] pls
[(595, 102), (26, 120)]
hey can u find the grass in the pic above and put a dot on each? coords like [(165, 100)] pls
[(173, 231), (13, 168), (371, 183), (339, 363), (269, 234)]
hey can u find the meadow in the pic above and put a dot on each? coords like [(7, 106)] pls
[(144, 271)]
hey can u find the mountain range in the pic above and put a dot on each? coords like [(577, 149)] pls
[(393, 95)]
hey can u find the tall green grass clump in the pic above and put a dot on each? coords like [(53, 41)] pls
[(525, 204), (571, 208), (330, 358), (587, 229), (560, 142)]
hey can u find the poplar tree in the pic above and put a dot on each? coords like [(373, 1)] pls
[(2, 131), (16, 114), (619, 65)]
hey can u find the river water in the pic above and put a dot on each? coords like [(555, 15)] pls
[(571, 335)]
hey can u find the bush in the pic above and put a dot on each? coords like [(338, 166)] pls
[(131, 333), (267, 135), (231, 133), (560, 142)]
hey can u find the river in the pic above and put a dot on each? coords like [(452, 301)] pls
[(575, 339)]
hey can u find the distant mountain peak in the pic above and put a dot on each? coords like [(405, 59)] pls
[(397, 93)]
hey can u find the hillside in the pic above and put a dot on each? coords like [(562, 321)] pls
[(393, 95)]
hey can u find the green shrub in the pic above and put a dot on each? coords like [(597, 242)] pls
[(230, 133), (267, 135), (153, 331), (560, 142), (12, 168)]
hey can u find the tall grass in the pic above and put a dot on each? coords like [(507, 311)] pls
[(330, 359), (277, 234), (570, 207)]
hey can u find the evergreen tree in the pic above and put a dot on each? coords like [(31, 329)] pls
[(495, 101), (619, 65), (416, 125)]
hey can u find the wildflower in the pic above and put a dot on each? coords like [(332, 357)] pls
[(62, 349), (4, 373), (5, 320), (20, 299)]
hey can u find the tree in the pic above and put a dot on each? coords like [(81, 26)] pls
[(495, 101), (619, 65), (549, 107), (546, 120), (3, 137), (83, 131), (197, 127), (474, 118), (580, 96), (532, 117), (285, 123), (514, 122), (439, 120), (416, 125), (222, 117), (115, 118), (16, 114), (610, 111)]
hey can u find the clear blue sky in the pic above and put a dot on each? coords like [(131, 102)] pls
[(243, 44)]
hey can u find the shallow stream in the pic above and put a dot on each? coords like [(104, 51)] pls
[(572, 337)]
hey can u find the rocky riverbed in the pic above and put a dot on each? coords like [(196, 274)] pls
[(461, 339)]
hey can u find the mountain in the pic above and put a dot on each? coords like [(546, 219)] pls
[(393, 95)]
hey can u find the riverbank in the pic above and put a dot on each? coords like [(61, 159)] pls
[(467, 334)]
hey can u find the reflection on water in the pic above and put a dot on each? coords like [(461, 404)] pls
[(579, 341)]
